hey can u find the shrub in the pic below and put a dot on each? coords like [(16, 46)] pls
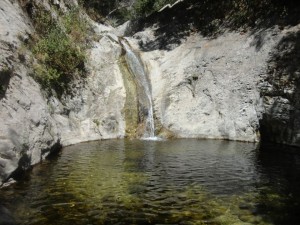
[(114, 12), (59, 49), (43, 22), (76, 26), (145, 7), (59, 52), (121, 10)]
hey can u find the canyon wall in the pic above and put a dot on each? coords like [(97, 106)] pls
[(215, 79), (32, 124), (237, 85)]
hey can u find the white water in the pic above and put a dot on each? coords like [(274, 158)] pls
[(138, 71), (153, 139)]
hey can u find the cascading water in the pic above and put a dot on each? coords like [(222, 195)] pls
[(137, 69)]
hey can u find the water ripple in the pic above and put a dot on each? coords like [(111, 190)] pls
[(165, 182)]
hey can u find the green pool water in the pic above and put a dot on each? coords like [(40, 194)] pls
[(160, 182)]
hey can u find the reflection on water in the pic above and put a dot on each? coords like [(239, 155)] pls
[(163, 182)]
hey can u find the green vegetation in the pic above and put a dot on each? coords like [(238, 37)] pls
[(61, 41), (117, 12), (244, 13), (209, 15), (97, 122), (146, 7), (100, 10), (59, 48), (213, 18), (250, 13)]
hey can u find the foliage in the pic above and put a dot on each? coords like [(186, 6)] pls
[(76, 26), (146, 7), (43, 22), (143, 7), (239, 13), (103, 7), (212, 18), (58, 51), (233, 12), (248, 12), (99, 9), (121, 10), (59, 48), (97, 122)]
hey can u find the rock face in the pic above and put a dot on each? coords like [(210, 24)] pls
[(27, 132), (94, 110), (237, 86), (33, 126), (208, 88), (280, 90)]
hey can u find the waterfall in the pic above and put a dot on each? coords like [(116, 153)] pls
[(144, 91)]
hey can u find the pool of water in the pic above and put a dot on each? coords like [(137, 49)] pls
[(160, 182)]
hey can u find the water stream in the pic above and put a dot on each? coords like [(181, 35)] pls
[(144, 89)]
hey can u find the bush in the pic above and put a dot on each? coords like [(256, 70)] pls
[(146, 7), (58, 60), (59, 49), (76, 27), (59, 52), (120, 11), (43, 22), (48, 77), (143, 7)]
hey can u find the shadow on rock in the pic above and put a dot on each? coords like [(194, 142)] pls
[(6, 217), (5, 75), (281, 93), (212, 18)]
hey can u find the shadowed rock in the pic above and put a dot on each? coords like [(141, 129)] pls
[(6, 217)]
